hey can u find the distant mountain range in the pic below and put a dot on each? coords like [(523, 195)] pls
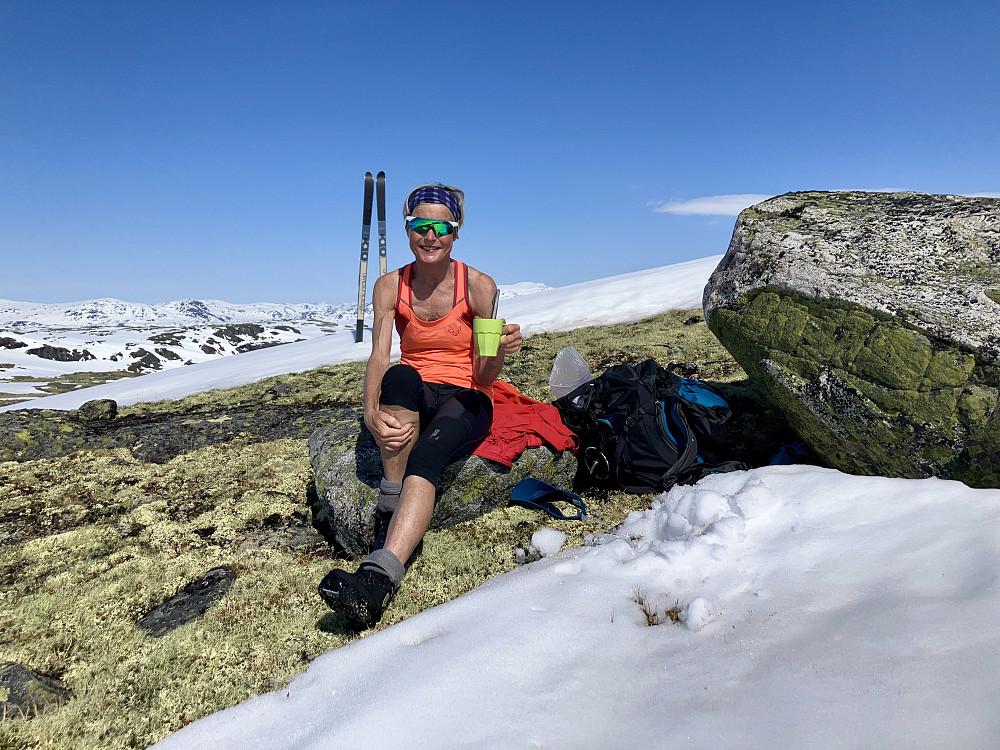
[(115, 313), (185, 312), (42, 344)]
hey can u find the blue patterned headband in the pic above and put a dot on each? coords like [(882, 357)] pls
[(435, 195)]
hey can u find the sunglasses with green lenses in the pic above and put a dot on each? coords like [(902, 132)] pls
[(422, 226)]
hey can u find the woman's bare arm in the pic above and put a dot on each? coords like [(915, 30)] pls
[(386, 429), (481, 290)]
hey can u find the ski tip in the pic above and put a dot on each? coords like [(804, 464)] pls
[(380, 176)]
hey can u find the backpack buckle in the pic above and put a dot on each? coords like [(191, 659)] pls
[(633, 418), (596, 462)]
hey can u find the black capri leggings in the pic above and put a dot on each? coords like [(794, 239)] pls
[(453, 420)]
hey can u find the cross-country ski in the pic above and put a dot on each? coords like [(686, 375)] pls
[(366, 228), (380, 201)]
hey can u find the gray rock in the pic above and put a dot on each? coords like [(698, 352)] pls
[(282, 389), (98, 410), (873, 321), (26, 694), (190, 603), (348, 468)]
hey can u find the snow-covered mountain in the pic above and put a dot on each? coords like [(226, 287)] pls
[(40, 343), (28, 316), (31, 316)]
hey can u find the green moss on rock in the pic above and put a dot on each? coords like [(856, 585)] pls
[(868, 392)]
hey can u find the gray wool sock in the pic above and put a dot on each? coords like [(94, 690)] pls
[(385, 562), (388, 495)]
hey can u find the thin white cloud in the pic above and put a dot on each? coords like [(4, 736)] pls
[(731, 205), (712, 205)]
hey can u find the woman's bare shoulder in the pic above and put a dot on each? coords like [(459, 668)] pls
[(482, 287), (479, 279), (386, 289)]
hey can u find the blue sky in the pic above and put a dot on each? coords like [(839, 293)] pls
[(153, 151)]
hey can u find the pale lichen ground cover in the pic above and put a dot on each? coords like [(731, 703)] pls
[(91, 542)]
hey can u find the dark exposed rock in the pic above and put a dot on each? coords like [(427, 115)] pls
[(348, 468), (208, 349), (28, 693), (243, 348), (168, 338), (61, 353), (29, 434), (145, 360), (167, 354), (867, 318), (190, 603), (235, 333), (98, 410), (6, 342)]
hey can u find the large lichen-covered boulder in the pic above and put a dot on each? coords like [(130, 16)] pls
[(873, 321), (348, 468)]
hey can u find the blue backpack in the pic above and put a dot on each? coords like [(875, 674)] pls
[(639, 426)]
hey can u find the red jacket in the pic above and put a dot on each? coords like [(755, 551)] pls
[(520, 422)]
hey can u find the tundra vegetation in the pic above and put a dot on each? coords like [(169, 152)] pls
[(93, 539)]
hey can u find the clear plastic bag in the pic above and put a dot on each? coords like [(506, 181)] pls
[(569, 371)]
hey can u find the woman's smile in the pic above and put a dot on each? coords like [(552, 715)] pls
[(429, 246)]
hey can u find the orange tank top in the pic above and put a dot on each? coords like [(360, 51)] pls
[(440, 350)]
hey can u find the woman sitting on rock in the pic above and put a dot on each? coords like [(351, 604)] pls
[(434, 406)]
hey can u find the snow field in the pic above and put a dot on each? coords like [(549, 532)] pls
[(819, 610)]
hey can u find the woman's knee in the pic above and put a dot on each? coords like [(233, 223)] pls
[(445, 439), (401, 386), (475, 409)]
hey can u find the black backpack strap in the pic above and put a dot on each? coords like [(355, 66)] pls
[(685, 461), (647, 405), (690, 454), (700, 471), (619, 451)]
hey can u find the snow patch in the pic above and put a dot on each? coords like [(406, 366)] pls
[(547, 542), (698, 613)]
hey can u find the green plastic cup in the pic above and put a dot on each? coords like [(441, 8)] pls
[(488, 332)]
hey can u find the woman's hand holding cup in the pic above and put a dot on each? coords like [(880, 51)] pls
[(494, 336), (511, 340)]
